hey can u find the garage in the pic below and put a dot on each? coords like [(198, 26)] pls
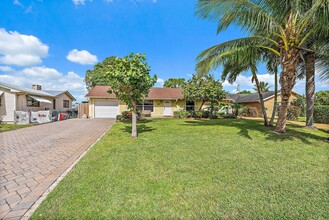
[(106, 109)]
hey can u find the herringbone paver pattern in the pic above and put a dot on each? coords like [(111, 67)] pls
[(33, 158)]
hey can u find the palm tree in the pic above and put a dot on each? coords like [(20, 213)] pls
[(263, 87), (235, 65), (281, 24)]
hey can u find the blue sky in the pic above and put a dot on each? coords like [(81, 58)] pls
[(53, 43)]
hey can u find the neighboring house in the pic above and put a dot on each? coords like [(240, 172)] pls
[(252, 100), (161, 102), (16, 98)]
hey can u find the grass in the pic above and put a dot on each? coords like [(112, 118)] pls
[(197, 169), (9, 127)]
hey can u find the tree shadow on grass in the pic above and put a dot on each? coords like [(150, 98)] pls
[(141, 126), (245, 126)]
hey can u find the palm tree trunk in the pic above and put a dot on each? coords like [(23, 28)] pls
[(260, 96), (134, 121), (310, 88), (287, 82), (275, 96)]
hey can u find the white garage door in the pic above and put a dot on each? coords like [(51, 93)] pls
[(106, 109)]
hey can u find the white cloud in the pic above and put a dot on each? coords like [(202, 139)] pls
[(159, 83), (82, 57), (79, 2), (21, 50), (6, 69), (49, 79), (17, 2)]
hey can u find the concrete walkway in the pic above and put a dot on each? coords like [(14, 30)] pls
[(32, 158)]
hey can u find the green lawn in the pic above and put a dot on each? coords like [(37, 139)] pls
[(197, 169), (8, 127)]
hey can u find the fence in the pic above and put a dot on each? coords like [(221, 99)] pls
[(83, 110)]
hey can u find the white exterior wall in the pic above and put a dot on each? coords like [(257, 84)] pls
[(8, 106)]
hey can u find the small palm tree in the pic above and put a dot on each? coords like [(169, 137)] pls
[(263, 87)]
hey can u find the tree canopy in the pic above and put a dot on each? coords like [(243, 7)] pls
[(322, 98), (174, 83), (129, 78), (205, 88)]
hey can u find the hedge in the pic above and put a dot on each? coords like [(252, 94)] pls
[(321, 114)]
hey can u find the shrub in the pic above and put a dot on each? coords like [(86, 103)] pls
[(321, 114), (119, 117), (249, 111), (206, 114), (197, 114), (126, 116), (293, 113), (229, 116), (182, 114)]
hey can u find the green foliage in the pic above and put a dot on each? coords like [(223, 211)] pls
[(263, 87), (182, 114), (244, 92), (321, 114), (129, 77), (301, 103), (322, 98), (249, 111), (126, 116), (96, 77), (204, 88), (197, 114), (230, 116), (293, 113), (174, 83)]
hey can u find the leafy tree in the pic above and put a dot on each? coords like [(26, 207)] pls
[(204, 88), (280, 26), (322, 98), (244, 92), (129, 78), (263, 87), (174, 83), (96, 77)]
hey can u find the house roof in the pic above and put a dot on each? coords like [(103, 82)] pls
[(58, 93), (48, 93), (155, 93), (253, 97)]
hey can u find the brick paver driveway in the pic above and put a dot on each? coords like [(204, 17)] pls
[(33, 158)]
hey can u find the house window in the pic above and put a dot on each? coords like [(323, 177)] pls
[(66, 104), (189, 106), (32, 102), (54, 104), (149, 105), (146, 105)]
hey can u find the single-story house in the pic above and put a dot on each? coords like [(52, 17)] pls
[(162, 102), (252, 100), (16, 98)]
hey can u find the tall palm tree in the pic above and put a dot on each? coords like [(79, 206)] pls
[(263, 87), (287, 29)]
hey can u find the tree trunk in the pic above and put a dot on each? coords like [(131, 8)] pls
[(287, 81), (201, 105), (260, 97), (310, 88), (134, 121), (275, 96)]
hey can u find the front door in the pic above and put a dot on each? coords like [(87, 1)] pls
[(167, 109)]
